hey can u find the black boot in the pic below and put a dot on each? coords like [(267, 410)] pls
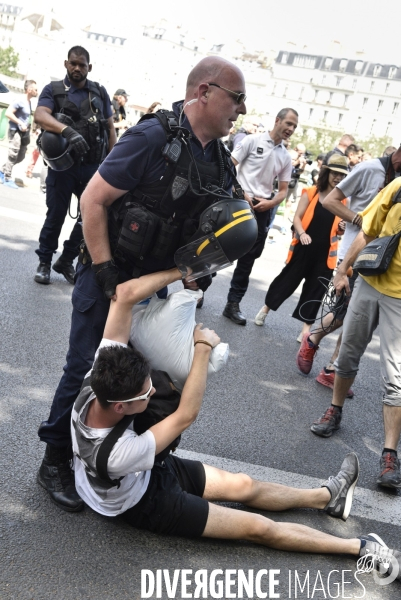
[(232, 311), (56, 476), (43, 273), (66, 268)]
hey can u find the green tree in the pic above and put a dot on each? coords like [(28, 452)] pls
[(375, 145), (8, 61)]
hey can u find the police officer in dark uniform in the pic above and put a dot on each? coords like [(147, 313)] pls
[(170, 182), (80, 111)]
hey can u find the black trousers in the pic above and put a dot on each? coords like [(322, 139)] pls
[(60, 185), (240, 279), (309, 264)]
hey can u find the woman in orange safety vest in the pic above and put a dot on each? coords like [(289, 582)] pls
[(313, 251)]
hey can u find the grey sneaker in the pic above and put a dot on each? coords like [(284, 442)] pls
[(376, 555), (342, 488)]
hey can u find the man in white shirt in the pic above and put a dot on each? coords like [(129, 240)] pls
[(261, 158), (172, 495)]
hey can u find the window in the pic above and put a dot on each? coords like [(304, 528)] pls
[(323, 79), (392, 72), (330, 98), (365, 101), (343, 64), (338, 81), (284, 58), (340, 118), (357, 124), (346, 98), (358, 66), (310, 113), (301, 92), (327, 63), (326, 112), (372, 85), (380, 105), (285, 91), (389, 124), (355, 81), (387, 88), (377, 70), (395, 108), (373, 125)]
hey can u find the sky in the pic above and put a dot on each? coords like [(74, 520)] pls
[(260, 24)]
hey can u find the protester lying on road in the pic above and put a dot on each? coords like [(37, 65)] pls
[(174, 496)]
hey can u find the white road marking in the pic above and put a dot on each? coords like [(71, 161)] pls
[(368, 504)]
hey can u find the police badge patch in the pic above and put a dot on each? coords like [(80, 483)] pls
[(179, 187)]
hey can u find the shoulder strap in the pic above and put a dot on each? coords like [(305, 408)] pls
[(107, 446), (59, 94), (96, 88), (397, 197), (167, 119)]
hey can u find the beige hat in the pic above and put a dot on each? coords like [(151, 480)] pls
[(337, 163)]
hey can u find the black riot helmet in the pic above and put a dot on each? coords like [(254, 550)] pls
[(3, 88), (227, 230), (55, 150)]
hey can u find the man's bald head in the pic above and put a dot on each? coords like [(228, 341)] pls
[(212, 68)]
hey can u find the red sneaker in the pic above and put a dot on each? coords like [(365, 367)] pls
[(306, 354), (326, 378)]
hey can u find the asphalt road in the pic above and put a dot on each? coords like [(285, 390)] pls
[(256, 415)]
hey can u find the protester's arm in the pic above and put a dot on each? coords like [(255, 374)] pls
[(97, 196), (333, 203), (340, 280), (118, 324), (304, 238), (192, 395)]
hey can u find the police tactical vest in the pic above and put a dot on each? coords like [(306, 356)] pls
[(88, 119), (157, 218)]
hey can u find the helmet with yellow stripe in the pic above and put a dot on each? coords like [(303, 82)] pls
[(227, 230)]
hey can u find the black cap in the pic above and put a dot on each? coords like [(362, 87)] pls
[(3, 88), (121, 92)]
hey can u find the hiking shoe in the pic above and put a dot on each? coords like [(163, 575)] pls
[(260, 317), (65, 268), (326, 378), (57, 478), (389, 471), (376, 555), (341, 488), (328, 422), (43, 273), (306, 354), (232, 311)]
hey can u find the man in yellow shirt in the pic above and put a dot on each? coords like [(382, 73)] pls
[(375, 299)]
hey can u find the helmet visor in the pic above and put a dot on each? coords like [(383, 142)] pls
[(201, 257)]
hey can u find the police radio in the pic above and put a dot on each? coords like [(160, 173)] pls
[(172, 150)]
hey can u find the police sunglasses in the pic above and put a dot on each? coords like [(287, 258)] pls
[(240, 97), (143, 397)]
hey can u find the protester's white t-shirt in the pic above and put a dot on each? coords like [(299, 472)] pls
[(260, 162), (131, 458), (360, 186)]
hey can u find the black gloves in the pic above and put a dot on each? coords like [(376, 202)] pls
[(204, 282), (107, 277), (77, 142)]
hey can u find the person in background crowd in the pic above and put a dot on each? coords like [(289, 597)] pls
[(360, 187), (261, 158), (298, 161), (19, 115), (366, 156), (154, 107), (354, 155), (376, 302), (313, 250), (389, 150), (80, 100), (341, 147), (316, 168), (249, 126), (118, 103)]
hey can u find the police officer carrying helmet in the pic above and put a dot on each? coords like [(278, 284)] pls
[(181, 182), (76, 117)]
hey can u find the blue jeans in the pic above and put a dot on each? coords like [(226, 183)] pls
[(60, 185)]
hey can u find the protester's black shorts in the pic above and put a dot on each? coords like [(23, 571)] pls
[(173, 502)]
